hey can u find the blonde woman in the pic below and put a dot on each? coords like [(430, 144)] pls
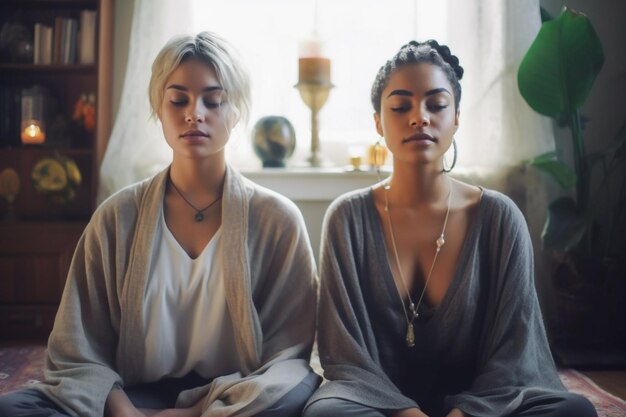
[(193, 292)]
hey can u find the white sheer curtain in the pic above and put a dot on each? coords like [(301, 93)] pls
[(489, 36), (497, 128), (136, 148)]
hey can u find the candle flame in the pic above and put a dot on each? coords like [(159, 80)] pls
[(33, 130)]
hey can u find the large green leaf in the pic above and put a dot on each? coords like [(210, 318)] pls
[(565, 225), (559, 171), (561, 65)]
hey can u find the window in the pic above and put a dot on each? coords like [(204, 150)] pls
[(490, 37), (359, 36)]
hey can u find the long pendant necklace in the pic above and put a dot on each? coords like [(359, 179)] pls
[(413, 308), (199, 212)]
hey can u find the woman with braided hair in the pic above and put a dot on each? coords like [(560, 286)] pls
[(427, 301)]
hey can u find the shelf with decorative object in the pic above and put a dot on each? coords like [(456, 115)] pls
[(55, 119)]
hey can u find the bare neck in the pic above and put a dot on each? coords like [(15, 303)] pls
[(418, 186), (199, 176)]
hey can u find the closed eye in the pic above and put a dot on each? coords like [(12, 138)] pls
[(438, 107), (400, 109), (211, 104), (178, 103)]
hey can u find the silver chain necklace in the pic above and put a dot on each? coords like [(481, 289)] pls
[(199, 212), (413, 308)]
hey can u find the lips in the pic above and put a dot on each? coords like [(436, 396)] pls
[(194, 133), (419, 137)]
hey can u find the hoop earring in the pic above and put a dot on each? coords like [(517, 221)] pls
[(454, 159)]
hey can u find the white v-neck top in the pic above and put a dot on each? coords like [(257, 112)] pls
[(187, 323)]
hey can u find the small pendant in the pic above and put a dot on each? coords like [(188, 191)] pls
[(440, 242), (412, 308), (199, 216), (410, 335)]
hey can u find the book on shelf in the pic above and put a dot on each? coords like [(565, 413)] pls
[(73, 23), (87, 52), (42, 50), (58, 32), (68, 47), (37, 44), (68, 40), (46, 55)]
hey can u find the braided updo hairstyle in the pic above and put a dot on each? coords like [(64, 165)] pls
[(415, 53)]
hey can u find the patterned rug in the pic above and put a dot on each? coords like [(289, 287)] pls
[(607, 404), (21, 365)]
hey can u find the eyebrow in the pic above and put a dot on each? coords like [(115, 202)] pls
[(410, 94), (183, 88)]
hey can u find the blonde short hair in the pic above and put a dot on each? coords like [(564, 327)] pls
[(215, 51)]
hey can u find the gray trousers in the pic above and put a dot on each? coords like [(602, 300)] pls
[(158, 395), (564, 404)]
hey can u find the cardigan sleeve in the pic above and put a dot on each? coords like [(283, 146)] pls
[(80, 358), (284, 282), (347, 346), (514, 356)]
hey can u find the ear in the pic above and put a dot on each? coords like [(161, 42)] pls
[(456, 121), (379, 127)]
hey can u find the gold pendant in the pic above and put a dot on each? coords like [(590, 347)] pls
[(410, 336)]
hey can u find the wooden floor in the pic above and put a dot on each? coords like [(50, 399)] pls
[(611, 381)]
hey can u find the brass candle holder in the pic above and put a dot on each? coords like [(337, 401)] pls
[(314, 95), (314, 86)]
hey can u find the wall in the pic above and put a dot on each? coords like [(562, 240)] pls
[(312, 190), (122, 20)]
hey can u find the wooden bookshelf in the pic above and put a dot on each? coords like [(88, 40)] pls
[(37, 233)]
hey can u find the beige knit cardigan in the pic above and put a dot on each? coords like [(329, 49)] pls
[(270, 289)]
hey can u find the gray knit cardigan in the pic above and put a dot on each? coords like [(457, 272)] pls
[(490, 310), (270, 285)]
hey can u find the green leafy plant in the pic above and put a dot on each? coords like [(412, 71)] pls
[(555, 78)]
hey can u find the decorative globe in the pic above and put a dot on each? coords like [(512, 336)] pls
[(274, 140)]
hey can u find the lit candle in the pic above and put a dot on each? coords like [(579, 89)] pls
[(313, 67), (33, 134)]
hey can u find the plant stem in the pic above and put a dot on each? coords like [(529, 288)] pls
[(581, 169)]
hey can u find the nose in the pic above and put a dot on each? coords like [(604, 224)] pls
[(419, 118), (194, 118)]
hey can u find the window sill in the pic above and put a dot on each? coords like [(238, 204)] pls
[(312, 184)]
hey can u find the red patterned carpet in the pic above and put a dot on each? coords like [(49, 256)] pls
[(21, 365), (607, 404)]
